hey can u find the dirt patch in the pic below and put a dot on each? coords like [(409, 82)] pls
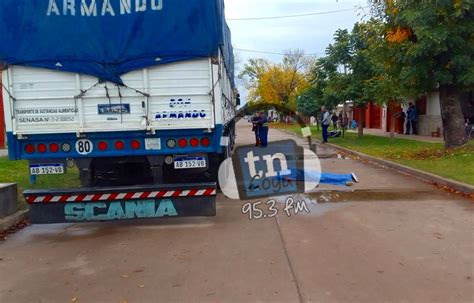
[(4, 234), (375, 195), (436, 154)]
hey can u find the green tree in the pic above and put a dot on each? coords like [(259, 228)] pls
[(350, 67), (432, 44), (307, 103), (383, 87)]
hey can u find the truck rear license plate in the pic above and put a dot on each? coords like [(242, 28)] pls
[(190, 163), (46, 169)]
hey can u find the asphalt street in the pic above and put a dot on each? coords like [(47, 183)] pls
[(390, 238)]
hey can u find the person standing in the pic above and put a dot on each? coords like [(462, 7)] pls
[(345, 121), (256, 129), (334, 119), (263, 129), (326, 120), (408, 121), (414, 119)]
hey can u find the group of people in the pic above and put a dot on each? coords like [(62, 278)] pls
[(260, 124), (326, 122), (260, 127), (339, 122), (411, 119)]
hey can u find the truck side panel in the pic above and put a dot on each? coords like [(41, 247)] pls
[(2, 121), (171, 96)]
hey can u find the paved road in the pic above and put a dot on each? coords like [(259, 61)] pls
[(390, 238)]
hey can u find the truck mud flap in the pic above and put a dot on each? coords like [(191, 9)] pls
[(121, 203)]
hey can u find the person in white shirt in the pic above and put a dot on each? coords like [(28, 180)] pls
[(325, 123)]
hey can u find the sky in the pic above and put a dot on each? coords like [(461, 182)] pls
[(311, 34)]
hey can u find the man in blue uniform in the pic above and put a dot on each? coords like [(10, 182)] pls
[(256, 129), (263, 129)]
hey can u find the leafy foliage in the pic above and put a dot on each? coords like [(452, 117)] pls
[(307, 103), (429, 45), (439, 45)]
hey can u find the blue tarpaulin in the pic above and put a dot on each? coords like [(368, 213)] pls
[(107, 38), (323, 178)]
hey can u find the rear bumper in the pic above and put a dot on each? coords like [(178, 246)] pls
[(121, 203), (117, 144)]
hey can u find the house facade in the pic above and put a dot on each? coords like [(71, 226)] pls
[(429, 111)]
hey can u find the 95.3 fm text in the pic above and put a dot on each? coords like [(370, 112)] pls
[(267, 210)]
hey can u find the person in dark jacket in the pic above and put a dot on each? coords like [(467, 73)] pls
[(408, 121), (334, 119), (413, 117), (256, 129), (263, 129)]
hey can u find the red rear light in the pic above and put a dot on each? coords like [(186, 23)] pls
[(194, 142), (119, 145), (103, 145), (136, 144), (42, 148), (205, 142), (29, 148), (53, 147), (182, 143)]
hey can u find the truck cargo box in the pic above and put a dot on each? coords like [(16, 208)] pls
[(175, 95)]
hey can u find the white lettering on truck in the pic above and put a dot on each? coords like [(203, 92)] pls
[(69, 5), (107, 7), (88, 10)]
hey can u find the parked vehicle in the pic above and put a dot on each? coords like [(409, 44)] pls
[(144, 107)]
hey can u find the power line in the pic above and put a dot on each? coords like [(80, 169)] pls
[(268, 53), (296, 16)]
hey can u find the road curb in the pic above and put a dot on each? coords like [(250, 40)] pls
[(425, 176), (13, 219)]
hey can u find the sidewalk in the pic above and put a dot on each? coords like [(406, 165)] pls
[(381, 133), (3, 153)]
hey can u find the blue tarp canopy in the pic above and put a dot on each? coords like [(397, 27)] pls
[(107, 38)]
